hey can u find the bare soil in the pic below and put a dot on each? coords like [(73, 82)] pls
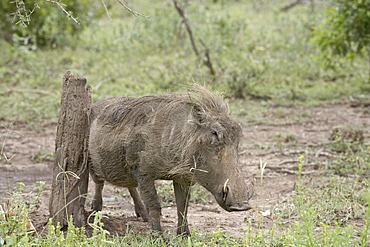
[(287, 134)]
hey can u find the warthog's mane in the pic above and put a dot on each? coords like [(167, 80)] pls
[(121, 111), (208, 101)]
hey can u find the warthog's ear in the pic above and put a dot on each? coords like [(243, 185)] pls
[(199, 114)]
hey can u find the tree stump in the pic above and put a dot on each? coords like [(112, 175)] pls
[(70, 171)]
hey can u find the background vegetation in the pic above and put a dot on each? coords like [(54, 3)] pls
[(41, 24), (258, 52), (262, 56)]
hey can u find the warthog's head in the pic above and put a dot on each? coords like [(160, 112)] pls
[(216, 156)]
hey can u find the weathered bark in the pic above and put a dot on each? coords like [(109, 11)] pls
[(70, 172)]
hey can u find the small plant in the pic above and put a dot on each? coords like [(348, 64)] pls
[(352, 163), (198, 195), (365, 233), (334, 201), (346, 138), (355, 158), (166, 194), (221, 238), (43, 155), (285, 139), (15, 225), (322, 208), (3, 155)]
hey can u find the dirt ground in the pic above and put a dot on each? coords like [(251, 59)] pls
[(287, 134)]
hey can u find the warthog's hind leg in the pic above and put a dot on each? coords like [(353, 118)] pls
[(150, 198), (140, 208)]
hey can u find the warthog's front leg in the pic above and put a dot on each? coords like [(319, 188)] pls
[(97, 203), (182, 200), (150, 198)]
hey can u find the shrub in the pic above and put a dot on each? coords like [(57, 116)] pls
[(346, 31), (44, 24)]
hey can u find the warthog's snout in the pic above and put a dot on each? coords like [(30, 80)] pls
[(229, 199), (244, 206)]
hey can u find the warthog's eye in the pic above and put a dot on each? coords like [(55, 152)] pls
[(213, 132)]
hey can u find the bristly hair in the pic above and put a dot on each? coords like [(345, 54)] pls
[(124, 110), (208, 101)]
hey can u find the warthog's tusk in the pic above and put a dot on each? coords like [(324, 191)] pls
[(225, 190), (225, 184)]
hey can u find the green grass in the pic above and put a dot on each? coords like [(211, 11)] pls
[(320, 211), (319, 215)]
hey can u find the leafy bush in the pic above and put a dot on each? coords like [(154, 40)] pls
[(347, 28), (346, 31), (44, 24)]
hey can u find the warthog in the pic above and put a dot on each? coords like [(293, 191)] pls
[(185, 138)]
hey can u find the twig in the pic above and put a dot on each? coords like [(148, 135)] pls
[(136, 14), (23, 18), (181, 12), (244, 152), (287, 162), (207, 61), (63, 9), (291, 5), (327, 154), (106, 10), (295, 172), (291, 167), (316, 154), (292, 152)]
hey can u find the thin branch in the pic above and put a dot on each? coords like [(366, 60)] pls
[(181, 12), (106, 10), (136, 14), (206, 61), (63, 9), (291, 5), (22, 13)]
